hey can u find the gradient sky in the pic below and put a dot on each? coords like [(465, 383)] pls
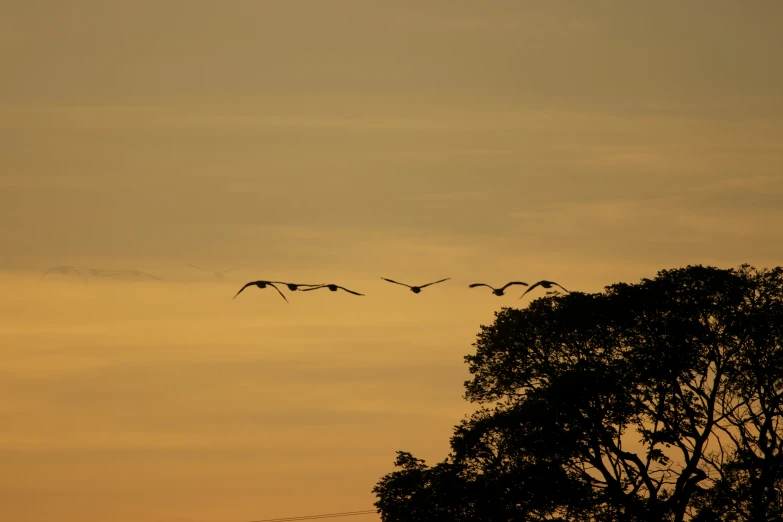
[(335, 141)]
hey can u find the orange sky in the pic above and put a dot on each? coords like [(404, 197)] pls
[(336, 142)]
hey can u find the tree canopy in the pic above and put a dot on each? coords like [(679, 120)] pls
[(656, 401)]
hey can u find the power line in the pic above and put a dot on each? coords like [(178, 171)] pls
[(323, 515)]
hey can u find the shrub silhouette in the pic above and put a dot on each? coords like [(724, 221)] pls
[(657, 401)]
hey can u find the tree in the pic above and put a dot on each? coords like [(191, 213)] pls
[(657, 401)]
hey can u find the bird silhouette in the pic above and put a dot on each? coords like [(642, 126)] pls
[(415, 289), (98, 271), (543, 284), (65, 270), (218, 275), (135, 273), (261, 284), (294, 286), (498, 291), (333, 288)]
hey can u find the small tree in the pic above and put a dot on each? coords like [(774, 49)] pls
[(659, 401)]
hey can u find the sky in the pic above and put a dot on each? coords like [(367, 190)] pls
[(335, 142)]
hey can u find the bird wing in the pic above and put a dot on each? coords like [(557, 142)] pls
[(67, 268), (93, 271), (474, 285), (126, 271), (251, 283), (278, 291), (513, 283), (395, 282), (560, 287), (314, 288), (204, 269), (105, 271), (48, 271), (349, 291), (531, 287), (80, 275), (295, 284), (435, 282)]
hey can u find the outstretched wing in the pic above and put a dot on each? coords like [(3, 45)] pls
[(395, 282), (513, 283), (80, 275), (566, 291), (278, 291), (67, 269), (474, 285), (296, 285), (531, 287), (313, 288), (434, 282), (93, 271), (349, 291), (251, 283), (50, 270)]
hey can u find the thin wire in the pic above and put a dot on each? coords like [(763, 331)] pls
[(324, 515)]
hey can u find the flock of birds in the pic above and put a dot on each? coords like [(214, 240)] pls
[(98, 272), (293, 287)]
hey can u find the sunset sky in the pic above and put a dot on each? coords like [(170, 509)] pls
[(335, 141)]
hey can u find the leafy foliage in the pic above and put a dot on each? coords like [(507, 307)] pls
[(657, 401)]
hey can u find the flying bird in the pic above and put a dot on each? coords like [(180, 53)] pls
[(65, 270), (293, 286), (415, 289), (218, 275), (98, 271), (333, 288), (135, 273), (261, 284), (543, 284), (498, 291)]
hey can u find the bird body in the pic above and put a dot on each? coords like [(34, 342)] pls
[(498, 291), (261, 284), (331, 287), (293, 286), (543, 284), (96, 272), (415, 289)]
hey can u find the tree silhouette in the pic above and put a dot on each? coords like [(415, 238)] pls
[(658, 401)]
